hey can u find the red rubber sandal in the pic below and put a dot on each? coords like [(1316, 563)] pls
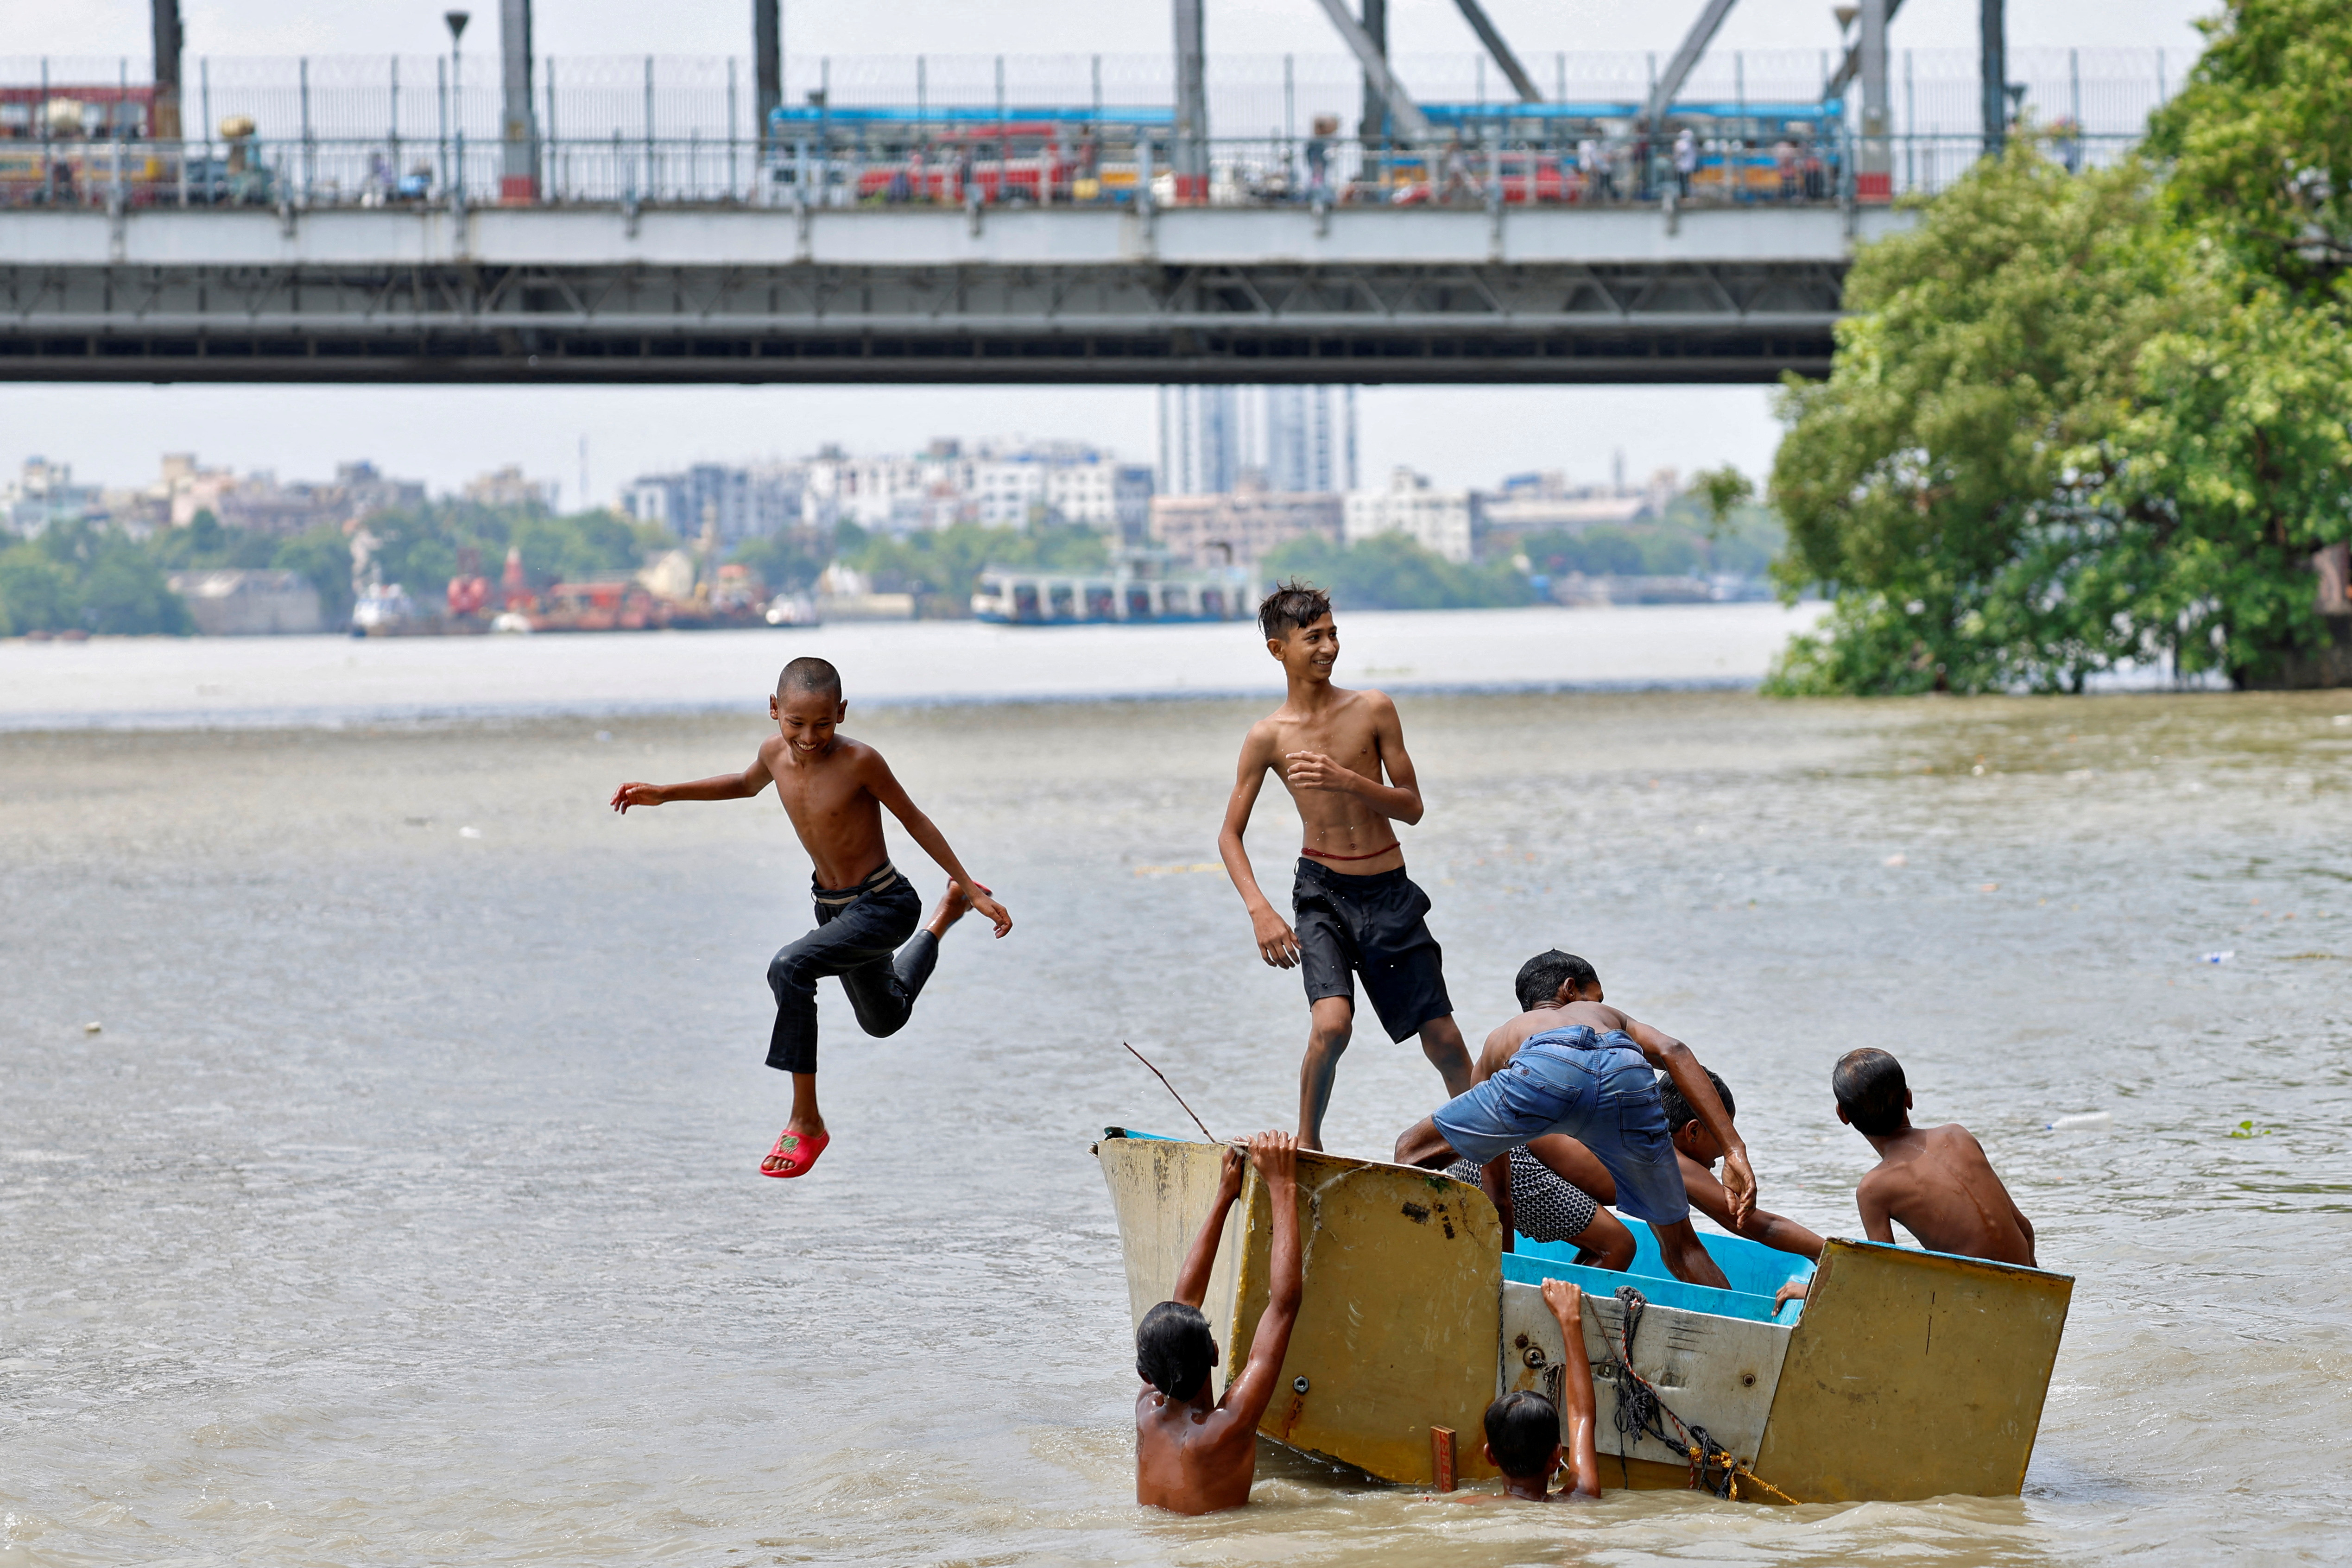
[(797, 1151)]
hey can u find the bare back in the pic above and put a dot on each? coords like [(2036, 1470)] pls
[(1937, 1185), (1359, 731), (1190, 1458), (830, 797), (1505, 1042)]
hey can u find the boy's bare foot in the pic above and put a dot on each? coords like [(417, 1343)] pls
[(954, 904)]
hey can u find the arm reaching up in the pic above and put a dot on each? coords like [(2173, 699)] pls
[(1576, 1403), (1192, 1279), (1274, 1156)]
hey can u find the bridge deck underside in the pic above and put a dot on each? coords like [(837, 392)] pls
[(1090, 321)]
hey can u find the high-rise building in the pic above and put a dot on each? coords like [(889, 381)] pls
[(1300, 439)]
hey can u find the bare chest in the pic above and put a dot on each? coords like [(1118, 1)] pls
[(1353, 745)]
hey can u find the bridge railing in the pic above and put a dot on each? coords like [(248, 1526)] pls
[(968, 171)]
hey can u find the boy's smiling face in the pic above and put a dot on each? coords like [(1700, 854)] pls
[(1309, 652), (806, 718)]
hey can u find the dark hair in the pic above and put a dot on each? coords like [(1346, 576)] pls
[(1174, 1350), (810, 675), (1291, 606), (1871, 1091), (1523, 1428), (1679, 1114), (1541, 977)]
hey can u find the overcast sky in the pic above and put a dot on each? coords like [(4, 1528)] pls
[(1458, 435)]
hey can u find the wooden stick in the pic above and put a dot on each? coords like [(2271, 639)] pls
[(1171, 1087)]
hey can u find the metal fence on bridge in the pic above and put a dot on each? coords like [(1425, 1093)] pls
[(383, 130)]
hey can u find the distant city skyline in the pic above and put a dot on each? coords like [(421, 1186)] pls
[(1460, 436)]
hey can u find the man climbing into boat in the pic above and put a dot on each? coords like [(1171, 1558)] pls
[(1932, 1181), (1525, 1431), (1356, 908), (1578, 1066), (834, 789), (1195, 1453)]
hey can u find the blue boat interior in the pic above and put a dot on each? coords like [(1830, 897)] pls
[(1754, 1271)]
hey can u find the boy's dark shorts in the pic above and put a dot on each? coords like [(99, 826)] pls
[(1373, 926)]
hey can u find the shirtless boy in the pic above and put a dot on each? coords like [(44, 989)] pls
[(1524, 1429), (834, 789), (1195, 1453), (1935, 1181), (1355, 907), (1580, 1067)]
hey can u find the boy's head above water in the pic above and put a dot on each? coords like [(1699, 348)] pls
[(1541, 977), (1683, 1125), (1299, 631), (808, 703), (1872, 1096), (1174, 1350), (1523, 1435)]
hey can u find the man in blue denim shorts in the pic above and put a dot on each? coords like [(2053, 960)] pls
[(1572, 1064)]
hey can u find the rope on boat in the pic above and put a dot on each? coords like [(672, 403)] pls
[(1713, 1467)]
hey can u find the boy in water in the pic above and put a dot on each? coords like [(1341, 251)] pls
[(1194, 1453), (1355, 907), (1523, 1428), (834, 789), (1935, 1181), (1580, 1067)]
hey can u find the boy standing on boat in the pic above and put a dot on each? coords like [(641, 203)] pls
[(1195, 1453), (1356, 910), (834, 789), (1580, 1067)]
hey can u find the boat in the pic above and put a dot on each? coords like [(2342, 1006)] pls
[(1139, 586), (1902, 1373)]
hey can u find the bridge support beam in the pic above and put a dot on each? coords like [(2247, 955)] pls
[(1873, 178), (1190, 153), (767, 63), (1492, 36), (519, 127), (1992, 42), (1694, 45), (166, 17)]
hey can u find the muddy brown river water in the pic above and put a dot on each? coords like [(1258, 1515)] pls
[(404, 1208)]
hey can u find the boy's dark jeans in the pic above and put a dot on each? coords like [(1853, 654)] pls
[(860, 942)]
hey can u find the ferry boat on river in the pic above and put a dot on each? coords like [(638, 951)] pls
[(1143, 585)]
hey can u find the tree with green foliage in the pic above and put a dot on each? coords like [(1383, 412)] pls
[(1393, 571), (2079, 421), (78, 575)]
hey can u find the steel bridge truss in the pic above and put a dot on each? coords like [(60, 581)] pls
[(982, 319)]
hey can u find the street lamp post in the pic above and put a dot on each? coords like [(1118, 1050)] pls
[(457, 21)]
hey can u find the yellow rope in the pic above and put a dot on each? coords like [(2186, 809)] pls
[(1740, 1472)]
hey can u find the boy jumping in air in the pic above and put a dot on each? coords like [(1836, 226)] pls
[(1356, 908), (834, 789)]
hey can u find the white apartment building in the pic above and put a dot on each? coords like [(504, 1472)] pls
[(1436, 519), (45, 494)]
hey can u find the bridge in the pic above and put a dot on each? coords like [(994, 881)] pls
[(391, 225), (541, 295)]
